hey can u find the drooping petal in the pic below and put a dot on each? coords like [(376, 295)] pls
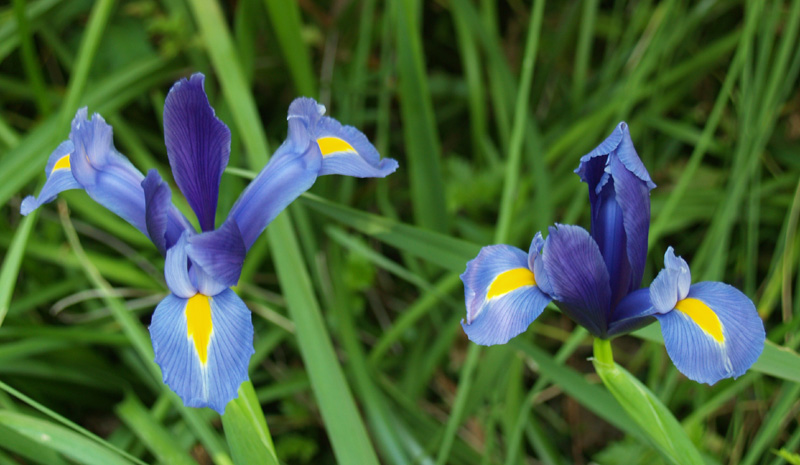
[(578, 278), (288, 174), (59, 179), (633, 312), (345, 150), (501, 295), (203, 346), (671, 284), (198, 146), (220, 253), (714, 333), (619, 192), (176, 269), (106, 175)]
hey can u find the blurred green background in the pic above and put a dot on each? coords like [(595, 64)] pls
[(488, 107)]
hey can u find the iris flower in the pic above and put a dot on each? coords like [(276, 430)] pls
[(202, 331), (711, 330)]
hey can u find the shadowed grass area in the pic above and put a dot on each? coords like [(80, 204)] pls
[(360, 357)]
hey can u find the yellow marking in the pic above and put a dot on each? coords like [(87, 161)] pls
[(703, 316), (509, 280), (62, 162), (329, 145), (198, 324)]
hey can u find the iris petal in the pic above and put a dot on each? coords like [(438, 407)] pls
[(633, 312), (198, 146), (59, 179), (708, 347), (344, 149), (501, 294), (203, 361), (578, 278), (220, 253), (619, 192), (671, 284), (176, 269), (106, 175), (288, 174)]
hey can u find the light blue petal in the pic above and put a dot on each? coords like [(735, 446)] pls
[(220, 253), (577, 277), (107, 176), (671, 284), (344, 149), (204, 282), (535, 249), (696, 353), (57, 181), (176, 270), (287, 175), (497, 319), (213, 383)]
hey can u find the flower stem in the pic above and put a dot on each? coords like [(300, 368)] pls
[(602, 351)]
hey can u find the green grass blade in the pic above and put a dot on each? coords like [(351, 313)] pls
[(157, 439), (12, 262), (344, 425), (287, 26), (55, 437), (419, 125)]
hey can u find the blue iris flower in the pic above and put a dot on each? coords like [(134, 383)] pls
[(711, 330), (202, 331)]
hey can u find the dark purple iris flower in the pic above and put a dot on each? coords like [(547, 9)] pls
[(711, 330), (202, 331)]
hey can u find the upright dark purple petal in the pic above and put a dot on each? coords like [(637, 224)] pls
[(198, 146), (619, 192), (577, 278)]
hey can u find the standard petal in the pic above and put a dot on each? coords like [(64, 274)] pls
[(59, 179), (501, 295), (619, 192), (198, 146), (176, 269), (714, 333), (106, 175), (203, 346), (578, 277), (287, 175), (633, 198), (157, 200), (220, 253), (671, 284)]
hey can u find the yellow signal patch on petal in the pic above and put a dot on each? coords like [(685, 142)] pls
[(329, 145), (62, 163), (198, 324), (509, 280), (703, 316)]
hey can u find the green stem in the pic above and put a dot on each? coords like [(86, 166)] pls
[(602, 352)]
